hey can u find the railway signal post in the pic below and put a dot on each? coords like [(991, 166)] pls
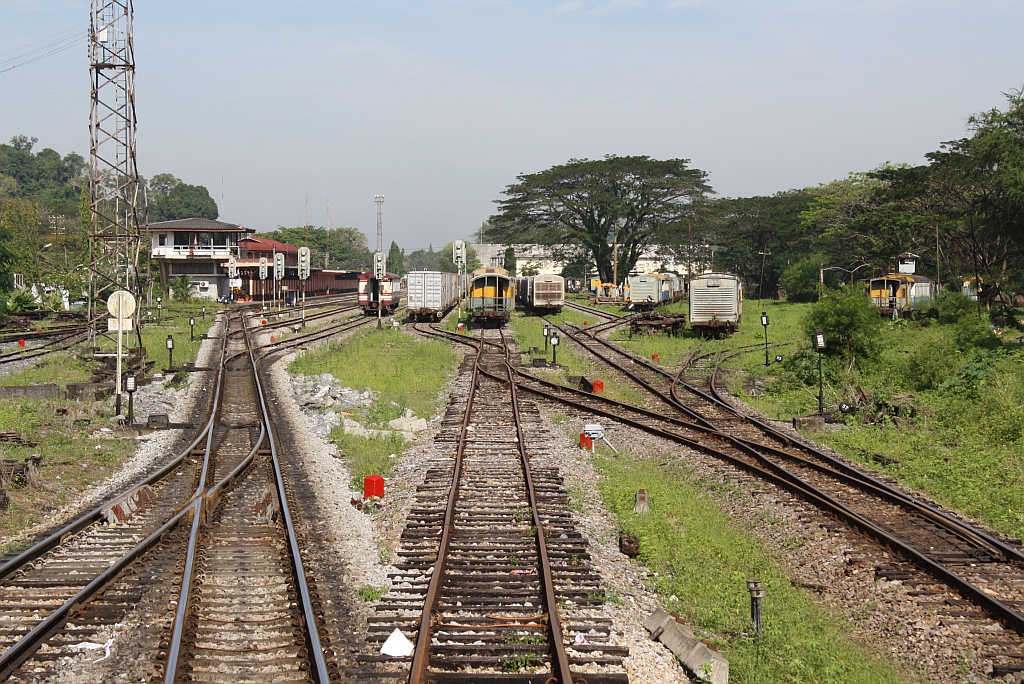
[(554, 349), (764, 322), (380, 263), (459, 257), (263, 281), (303, 275), (170, 353), (818, 338), (547, 331), (129, 386), (278, 274)]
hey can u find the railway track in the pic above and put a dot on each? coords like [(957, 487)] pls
[(984, 568), (493, 580), (205, 556)]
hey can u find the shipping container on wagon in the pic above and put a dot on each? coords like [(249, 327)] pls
[(431, 294), (716, 303), (491, 295), (645, 291)]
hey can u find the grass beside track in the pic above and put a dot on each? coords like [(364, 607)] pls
[(703, 560), (400, 369)]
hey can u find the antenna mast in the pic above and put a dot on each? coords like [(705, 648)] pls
[(379, 199), (114, 238)]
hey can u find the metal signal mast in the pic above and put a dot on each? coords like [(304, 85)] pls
[(379, 199), (114, 239)]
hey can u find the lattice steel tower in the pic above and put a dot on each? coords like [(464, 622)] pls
[(379, 199), (114, 239)]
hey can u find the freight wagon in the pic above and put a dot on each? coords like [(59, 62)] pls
[(431, 294), (651, 289), (384, 294), (899, 295), (541, 293), (716, 303), (491, 295)]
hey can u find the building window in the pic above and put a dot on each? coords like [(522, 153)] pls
[(162, 239)]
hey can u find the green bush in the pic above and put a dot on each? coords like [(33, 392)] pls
[(851, 324), (973, 332), (801, 280), (928, 366), (952, 306)]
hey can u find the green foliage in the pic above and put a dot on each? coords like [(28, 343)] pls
[(396, 259), (182, 288), (510, 260), (800, 281), (170, 199), (969, 378), (45, 178), (952, 306), (20, 301), (369, 593), (705, 569), (851, 324), (930, 365), (972, 332), (429, 260), (338, 248), (635, 201)]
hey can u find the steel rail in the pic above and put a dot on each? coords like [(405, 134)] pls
[(205, 503)]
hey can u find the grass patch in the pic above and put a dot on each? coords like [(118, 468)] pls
[(59, 368), (369, 593), (706, 567), (400, 368), (74, 457), (174, 322), (368, 456)]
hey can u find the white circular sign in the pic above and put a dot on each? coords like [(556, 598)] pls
[(121, 304)]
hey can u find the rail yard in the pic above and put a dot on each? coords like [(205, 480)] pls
[(231, 548)]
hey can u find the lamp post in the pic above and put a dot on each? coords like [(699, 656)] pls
[(170, 352), (129, 386), (818, 338), (547, 331), (159, 308), (192, 329), (204, 312), (757, 592), (764, 322), (554, 349)]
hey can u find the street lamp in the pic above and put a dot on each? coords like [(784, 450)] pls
[(554, 348), (170, 353), (764, 322), (547, 331), (192, 329), (818, 339), (129, 386), (159, 308)]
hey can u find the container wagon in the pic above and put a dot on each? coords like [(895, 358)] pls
[(645, 291), (430, 295), (384, 294), (899, 295), (716, 303), (491, 295)]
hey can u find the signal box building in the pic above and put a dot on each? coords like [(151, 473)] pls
[(198, 248)]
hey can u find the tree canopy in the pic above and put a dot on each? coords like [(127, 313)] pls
[(590, 205), (170, 199), (339, 248), (429, 260), (396, 259)]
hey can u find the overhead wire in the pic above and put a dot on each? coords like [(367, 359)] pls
[(52, 46)]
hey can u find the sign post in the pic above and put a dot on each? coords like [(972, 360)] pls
[(121, 305)]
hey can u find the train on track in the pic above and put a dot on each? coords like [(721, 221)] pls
[(384, 294), (899, 295), (491, 295), (541, 293), (432, 294), (646, 291), (716, 303)]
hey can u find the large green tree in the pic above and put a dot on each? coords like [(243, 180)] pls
[(396, 259), (169, 199), (338, 248), (442, 260), (597, 205)]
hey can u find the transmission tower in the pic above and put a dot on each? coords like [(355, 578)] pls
[(379, 199), (114, 239)]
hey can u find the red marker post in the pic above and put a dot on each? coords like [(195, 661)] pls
[(373, 485)]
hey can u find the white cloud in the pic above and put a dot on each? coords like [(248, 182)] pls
[(570, 6), (620, 6)]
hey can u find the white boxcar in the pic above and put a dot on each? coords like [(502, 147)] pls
[(547, 292), (716, 303), (431, 294), (645, 291)]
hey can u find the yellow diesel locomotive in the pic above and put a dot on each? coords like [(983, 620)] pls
[(491, 296)]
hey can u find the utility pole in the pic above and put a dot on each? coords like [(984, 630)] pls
[(327, 248), (764, 255), (379, 199), (114, 238)]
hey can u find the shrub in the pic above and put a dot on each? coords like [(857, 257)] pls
[(972, 332), (801, 280), (851, 324), (952, 306), (928, 366)]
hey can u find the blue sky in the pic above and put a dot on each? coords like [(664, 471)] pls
[(438, 104)]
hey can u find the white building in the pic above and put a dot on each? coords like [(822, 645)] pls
[(198, 248)]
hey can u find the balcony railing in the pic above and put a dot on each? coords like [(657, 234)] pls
[(185, 251)]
